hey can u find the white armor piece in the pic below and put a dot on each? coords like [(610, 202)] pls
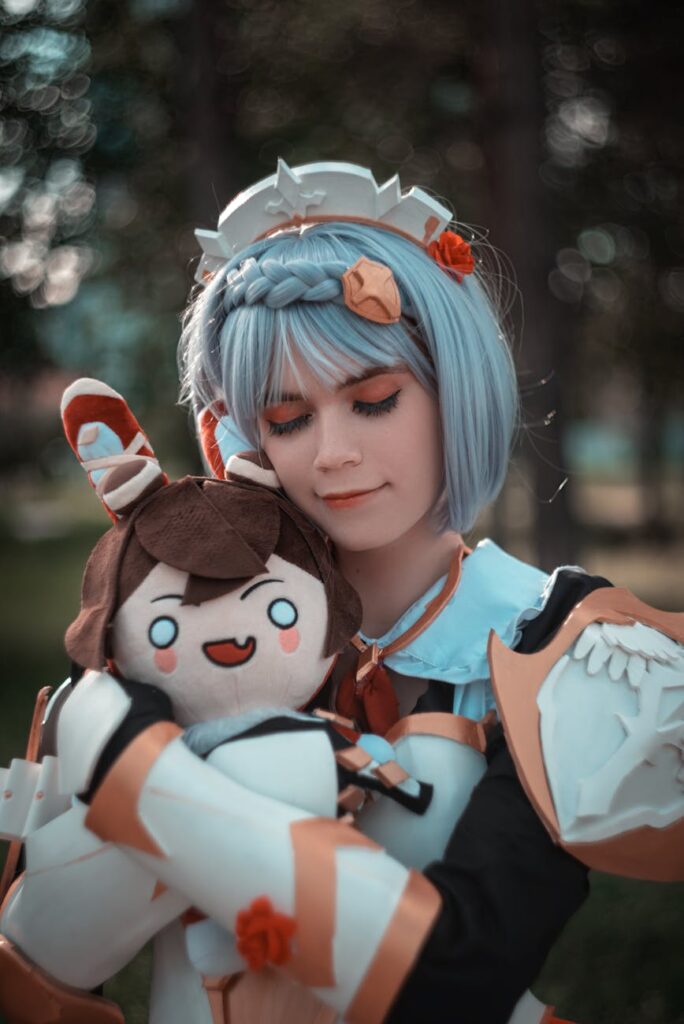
[(85, 906), (627, 768), (445, 751), (30, 796), (328, 190), (91, 715), (179, 820), (225, 847), (82, 909), (595, 722)]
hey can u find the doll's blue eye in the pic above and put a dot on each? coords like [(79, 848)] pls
[(163, 631), (282, 613)]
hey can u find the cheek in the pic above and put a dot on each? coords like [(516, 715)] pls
[(166, 660), (291, 461), (289, 639)]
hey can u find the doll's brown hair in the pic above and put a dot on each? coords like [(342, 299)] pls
[(222, 534)]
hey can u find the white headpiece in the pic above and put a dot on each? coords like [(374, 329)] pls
[(319, 192)]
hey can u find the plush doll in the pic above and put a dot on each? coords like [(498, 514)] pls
[(213, 605)]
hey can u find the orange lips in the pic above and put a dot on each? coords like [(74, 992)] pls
[(350, 498), (229, 652)]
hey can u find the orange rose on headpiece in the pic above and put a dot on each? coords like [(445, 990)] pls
[(453, 252)]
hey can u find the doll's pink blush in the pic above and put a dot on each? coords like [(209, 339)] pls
[(289, 639), (166, 659)]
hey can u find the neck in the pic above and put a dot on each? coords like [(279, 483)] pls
[(389, 579)]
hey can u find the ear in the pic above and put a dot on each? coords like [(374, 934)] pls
[(253, 468), (110, 445)]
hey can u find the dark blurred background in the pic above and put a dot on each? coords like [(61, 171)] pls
[(556, 124)]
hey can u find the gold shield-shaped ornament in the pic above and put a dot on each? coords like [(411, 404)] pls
[(370, 291)]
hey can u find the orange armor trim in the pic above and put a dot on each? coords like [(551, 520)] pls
[(30, 996)]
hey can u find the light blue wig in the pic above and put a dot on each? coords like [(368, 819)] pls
[(282, 297)]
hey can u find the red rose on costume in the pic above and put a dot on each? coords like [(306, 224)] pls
[(263, 935), (453, 252)]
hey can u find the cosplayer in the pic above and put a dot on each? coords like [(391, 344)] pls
[(356, 343)]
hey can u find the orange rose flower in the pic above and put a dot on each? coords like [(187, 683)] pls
[(263, 935), (453, 252)]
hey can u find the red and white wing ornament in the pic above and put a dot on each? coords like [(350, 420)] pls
[(110, 445)]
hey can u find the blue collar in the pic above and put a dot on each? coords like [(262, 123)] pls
[(496, 592)]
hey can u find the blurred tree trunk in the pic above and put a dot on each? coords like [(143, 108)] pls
[(210, 97), (512, 128)]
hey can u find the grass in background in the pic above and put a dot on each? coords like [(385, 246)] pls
[(619, 960)]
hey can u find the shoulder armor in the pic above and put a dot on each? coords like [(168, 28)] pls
[(595, 724), (90, 716)]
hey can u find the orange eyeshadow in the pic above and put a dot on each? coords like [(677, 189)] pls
[(286, 411), (376, 389)]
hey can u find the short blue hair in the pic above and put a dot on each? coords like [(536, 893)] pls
[(450, 336)]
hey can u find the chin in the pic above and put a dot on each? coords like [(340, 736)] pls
[(364, 539)]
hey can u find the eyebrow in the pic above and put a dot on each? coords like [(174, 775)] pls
[(165, 597), (374, 371), (254, 586)]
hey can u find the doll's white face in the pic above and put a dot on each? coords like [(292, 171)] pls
[(259, 646), (363, 460)]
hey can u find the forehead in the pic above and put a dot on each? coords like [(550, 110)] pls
[(319, 368), (299, 378), (323, 344)]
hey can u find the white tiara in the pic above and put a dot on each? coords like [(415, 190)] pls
[(313, 193)]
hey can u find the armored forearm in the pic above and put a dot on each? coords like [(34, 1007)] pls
[(350, 919)]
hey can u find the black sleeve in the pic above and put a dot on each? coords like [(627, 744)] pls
[(507, 890)]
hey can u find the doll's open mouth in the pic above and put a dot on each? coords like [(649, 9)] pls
[(229, 652)]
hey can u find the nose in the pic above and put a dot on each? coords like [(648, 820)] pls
[(337, 446)]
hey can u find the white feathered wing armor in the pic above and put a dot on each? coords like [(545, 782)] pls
[(595, 722)]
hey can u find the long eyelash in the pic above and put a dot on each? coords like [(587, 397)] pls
[(289, 427), (378, 408), (363, 408)]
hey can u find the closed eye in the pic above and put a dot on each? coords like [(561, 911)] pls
[(281, 429), (276, 429), (377, 408)]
